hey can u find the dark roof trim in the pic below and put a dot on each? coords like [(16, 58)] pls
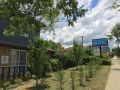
[(5, 44)]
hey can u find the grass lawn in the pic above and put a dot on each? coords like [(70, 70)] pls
[(98, 82)]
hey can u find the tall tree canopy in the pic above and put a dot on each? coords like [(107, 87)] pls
[(116, 32), (116, 4), (24, 16)]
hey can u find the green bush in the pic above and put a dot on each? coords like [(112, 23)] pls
[(5, 85), (54, 64), (33, 76), (106, 62), (28, 76), (18, 80), (12, 82)]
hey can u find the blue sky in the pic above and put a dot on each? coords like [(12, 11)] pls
[(97, 23), (94, 3)]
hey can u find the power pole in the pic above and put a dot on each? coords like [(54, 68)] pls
[(82, 42)]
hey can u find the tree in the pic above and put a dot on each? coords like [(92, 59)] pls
[(77, 52), (24, 16), (115, 51), (38, 63), (116, 33), (115, 4)]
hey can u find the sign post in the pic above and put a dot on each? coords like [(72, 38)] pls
[(99, 43)]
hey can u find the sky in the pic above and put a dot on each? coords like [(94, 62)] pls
[(97, 23)]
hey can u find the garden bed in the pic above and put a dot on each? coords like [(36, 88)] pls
[(98, 82)]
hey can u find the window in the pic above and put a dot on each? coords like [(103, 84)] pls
[(4, 59), (18, 59), (15, 57)]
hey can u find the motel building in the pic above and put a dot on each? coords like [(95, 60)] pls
[(13, 54)]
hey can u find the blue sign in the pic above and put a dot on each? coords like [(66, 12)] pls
[(100, 42)]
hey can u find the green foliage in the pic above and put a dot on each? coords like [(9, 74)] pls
[(116, 51), (52, 45), (60, 79), (106, 62), (72, 77), (54, 64), (18, 80), (5, 85), (88, 51), (116, 32), (77, 52), (25, 16), (115, 4), (38, 62), (27, 75), (12, 81), (81, 75)]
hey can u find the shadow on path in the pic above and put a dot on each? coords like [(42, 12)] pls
[(43, 87)]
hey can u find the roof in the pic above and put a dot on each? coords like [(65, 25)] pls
[(20, 42)]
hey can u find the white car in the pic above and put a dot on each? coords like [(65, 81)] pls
[(115, 57)]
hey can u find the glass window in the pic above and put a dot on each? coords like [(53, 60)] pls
[(18, 59), (15, 57), (22, 58)]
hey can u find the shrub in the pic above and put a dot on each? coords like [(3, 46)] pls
[(12, 82), (33, 76), (106, 56), (18, 80), (5, 85), (106, 62), (54, 64), (28, 76)]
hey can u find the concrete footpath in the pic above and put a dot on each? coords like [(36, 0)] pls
[(114, 76)]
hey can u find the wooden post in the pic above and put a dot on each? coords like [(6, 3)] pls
[(24, 70), (8, 76), (100, 51), (2, 76), (19, 71), (14, 72)]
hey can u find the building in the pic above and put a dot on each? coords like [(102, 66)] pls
[(13, 54)]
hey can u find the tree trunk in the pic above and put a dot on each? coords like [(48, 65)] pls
[(36, 81), (118, 44)]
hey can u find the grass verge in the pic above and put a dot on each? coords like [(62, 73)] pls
[(98, 82)]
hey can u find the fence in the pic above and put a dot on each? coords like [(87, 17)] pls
[(7, 73)]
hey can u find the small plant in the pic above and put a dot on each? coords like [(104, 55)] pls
[(12, 82), (18, 80), (28, 76), (60, 79), (72, 77), (87, 72), (5, 85), (90, 70), (81, 75)]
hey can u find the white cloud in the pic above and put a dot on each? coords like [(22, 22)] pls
[(97, 23)]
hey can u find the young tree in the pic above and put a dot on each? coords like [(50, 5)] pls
[(60, 79), (77, 51), (72, 81), (38, 63)]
